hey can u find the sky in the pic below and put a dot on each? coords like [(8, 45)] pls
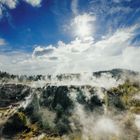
[(69, 36)]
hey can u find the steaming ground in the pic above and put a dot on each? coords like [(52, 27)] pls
[(87, 106)]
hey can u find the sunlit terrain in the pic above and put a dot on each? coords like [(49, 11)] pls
[(69, 69)]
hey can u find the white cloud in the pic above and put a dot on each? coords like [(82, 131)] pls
[(34, 2), (2, 42), (40, 51), (11, 4), (80, 55), (0, 11), (74, 7), (119, 1), (118, 9), (83, 25)]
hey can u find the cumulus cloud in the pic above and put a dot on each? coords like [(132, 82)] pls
[(34, 2), (4, 4), (40, 51), (80, 55), (11, 4)]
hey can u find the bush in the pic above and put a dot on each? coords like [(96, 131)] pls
[(17, 123)]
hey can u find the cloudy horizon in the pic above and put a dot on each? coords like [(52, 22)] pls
[(47, 37)]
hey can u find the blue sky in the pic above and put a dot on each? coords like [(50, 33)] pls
[(33, 27)]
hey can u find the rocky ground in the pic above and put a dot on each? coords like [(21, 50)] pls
[(99, 106)]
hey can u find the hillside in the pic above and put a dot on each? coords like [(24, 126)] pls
[(86, 106)]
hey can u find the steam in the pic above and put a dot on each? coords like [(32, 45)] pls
[(106, 127), (106, 80), (93, 125), (27, 101), (99, 123), (137, 121)]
